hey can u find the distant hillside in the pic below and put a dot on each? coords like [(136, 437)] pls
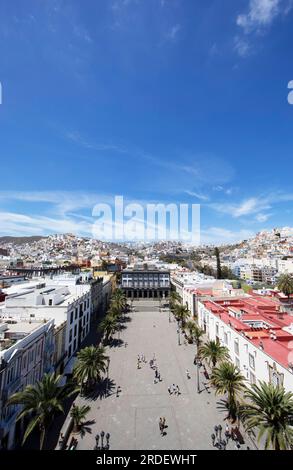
[(20, 240)]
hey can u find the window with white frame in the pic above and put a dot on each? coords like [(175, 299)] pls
[(252, 378), (251, 361)]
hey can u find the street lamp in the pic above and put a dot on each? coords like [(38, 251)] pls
[(216, 430), (198, 364), (108, 365), (107, 440), (97, 441), (102, 438), (178, 332), (220, 430)]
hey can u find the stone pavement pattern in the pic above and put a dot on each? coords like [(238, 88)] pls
[(132, 419)]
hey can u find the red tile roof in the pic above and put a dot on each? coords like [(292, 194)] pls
[(260, 310)]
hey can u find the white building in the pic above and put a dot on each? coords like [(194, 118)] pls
[(259, 337), (60, 300), (26, 353)]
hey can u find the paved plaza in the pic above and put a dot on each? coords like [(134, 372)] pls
[(132, 419)]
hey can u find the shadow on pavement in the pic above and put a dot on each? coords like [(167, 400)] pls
[(102, 390)]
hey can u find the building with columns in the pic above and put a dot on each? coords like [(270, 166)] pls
[(145, 281)]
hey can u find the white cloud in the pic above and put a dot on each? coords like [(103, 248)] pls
[(259, 16), (218, 235), (12, 223), (260, 13), (242, 46), (77, 138), (200, 196), (262, 217), (253, 205), (249, 206)]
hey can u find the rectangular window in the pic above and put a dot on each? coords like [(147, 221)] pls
[(237, 362), (217, 329), (74, 345), (252, 378), (251, 361), (69, 351), (70, 336), (225, 338), (236, 347), (71, 317), (75, 329)]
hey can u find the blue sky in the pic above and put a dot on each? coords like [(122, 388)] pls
[(155, 100)]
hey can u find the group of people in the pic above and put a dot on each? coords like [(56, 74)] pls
[(162, 426), (140, 358), (174, 390), (153, 365)]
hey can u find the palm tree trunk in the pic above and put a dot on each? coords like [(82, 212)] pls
[(42, 437)]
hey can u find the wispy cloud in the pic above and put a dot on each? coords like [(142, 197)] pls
[(13, 223), (77, 138), (219, 235), (260, 13), (262, 217), (259, 16), (242, 46), (173, 32), (202, 197), (252, 206)]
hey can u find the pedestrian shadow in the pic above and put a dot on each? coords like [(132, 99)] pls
[(207, 387), (102, 390)]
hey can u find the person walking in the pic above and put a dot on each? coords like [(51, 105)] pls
[(161, 425), (187, 373), (169, 390), (177, 390)]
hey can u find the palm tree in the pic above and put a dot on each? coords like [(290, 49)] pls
[(91, 361), (40, 402), (190, 327), (270, 409), (213, 352), (119, 298), (78, 414), (174, 297), (227, 378), (285, 284), (197, 335), (219, 269), (181, 313), (109, 325)]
